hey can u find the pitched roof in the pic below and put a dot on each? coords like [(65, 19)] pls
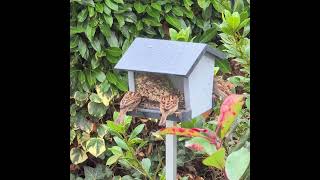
[(164, 56)]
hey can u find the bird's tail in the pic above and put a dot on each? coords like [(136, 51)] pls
[(163, 119), (121, 117)]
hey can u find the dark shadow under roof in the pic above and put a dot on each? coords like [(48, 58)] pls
[(164, 56)]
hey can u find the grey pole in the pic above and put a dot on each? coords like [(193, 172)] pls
[(171, 153)]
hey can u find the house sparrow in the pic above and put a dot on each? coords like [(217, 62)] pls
[(128, 103), (168, 105)]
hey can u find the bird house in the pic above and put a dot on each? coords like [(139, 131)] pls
[(188, 66)]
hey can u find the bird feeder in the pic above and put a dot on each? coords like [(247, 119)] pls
[(190, 68)]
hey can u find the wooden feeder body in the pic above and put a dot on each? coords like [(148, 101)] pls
[(189, 66)]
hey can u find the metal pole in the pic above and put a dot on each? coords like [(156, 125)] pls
[(171, 153)]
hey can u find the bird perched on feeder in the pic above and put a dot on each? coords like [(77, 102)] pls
[(159, 89), (168, 106), (128, 103)]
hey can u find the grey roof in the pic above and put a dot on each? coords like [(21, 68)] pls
[(164, 56)]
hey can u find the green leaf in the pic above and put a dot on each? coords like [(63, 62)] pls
[(153, 13), (203, 144), (96, 44), (177, 10), (112, 40), (72, 135), (82, 47), (96, 146), (208, 35), (116, 150), (105, 30), (83, 123), (120, 19), (216, 159), (112, 78), (119, 1), (139, 7), (167, 8), (151, 21), (113, 159), (187, 3), (102, 130), (156, 5), (121, 143), (146, 164), (100, 76), (127, 119), (107, 10), (238, 6), (80, 96), (219, 6), (105, 97), (104, 87), (91, 11), (136, 131), (115, 127), (237, 163), (94, 173), (76, 30), (97, 109), (111, 5), (90, 31), (82, 15), (99, 7), (108, 19), (127, 177), (173, 21), (223, 65), (114, 51), (233, 21), (203, 3), (77, 155), (188, 13), (130, 17), (122, 85), (90, 78)]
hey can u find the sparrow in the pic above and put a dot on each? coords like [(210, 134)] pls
[(168, 105), (128, 103)]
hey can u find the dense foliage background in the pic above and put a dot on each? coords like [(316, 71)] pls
[(100, 32)]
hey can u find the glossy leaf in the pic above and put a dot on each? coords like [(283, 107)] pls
[(78, 155), (173, 21), (113, 159), (121, 143), (139, 7), (229, 110), (136, 131), (94, 173), (146, 164), (114, 51), (201, 144), (208, 35), (111, 5), (216, 159), (181, 132), (96, 146), (203, 3), (237, 163), (97, 109)]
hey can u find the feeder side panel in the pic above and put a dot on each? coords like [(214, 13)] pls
[(201, 85)]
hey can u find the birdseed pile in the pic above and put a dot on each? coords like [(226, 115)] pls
[(152, 87)]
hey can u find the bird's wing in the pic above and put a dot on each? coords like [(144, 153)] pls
[(169, 102), (130, 98)]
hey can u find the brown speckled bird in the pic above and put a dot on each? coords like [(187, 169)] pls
[(128, 103), (168, 105)]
